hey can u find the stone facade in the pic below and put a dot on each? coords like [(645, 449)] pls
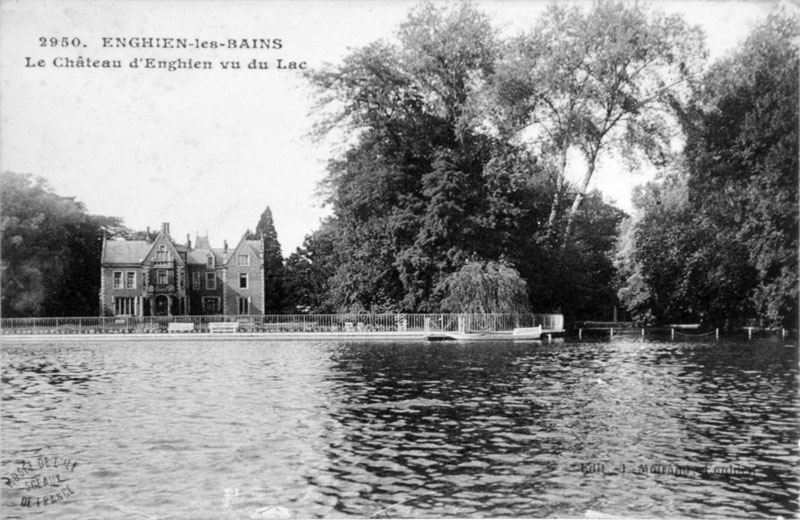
[(159, 277)]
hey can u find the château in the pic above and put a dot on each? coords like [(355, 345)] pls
[(160, 277)]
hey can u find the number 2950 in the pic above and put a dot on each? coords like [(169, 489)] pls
[(59, 42)]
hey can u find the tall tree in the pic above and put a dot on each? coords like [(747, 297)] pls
[(595, 81), (50, 250), (719, 240), (409, 191), (745, 160), (274, 293)]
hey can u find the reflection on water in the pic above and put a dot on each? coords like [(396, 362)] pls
[(245, 430)]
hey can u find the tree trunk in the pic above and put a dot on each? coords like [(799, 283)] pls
[(576, 204), (556, 207)]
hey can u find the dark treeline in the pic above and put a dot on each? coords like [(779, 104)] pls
[(457, 155), (50, 250), (455, 189), (716, 237), (458, 143)]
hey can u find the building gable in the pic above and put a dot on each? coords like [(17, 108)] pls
[(154, 255), (251, 248)]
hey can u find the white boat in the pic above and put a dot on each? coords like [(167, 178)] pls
[(527, 333), (518, 334)]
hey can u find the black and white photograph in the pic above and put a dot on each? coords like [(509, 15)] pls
[(412, 259)]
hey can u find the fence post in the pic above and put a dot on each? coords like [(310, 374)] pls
[(749, 333), (612, 333), (580, 333), (717, 333), (642, 332), (672, 336)]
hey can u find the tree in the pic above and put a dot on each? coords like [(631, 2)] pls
[(744, 160), (409, 192), (309, 269), (717, 240), (434, 175), (595, 81), (485, 288), (273, 262), (677, 265), (50, 250)]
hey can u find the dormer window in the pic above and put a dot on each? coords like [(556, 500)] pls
[(210, 261), (162, 255)]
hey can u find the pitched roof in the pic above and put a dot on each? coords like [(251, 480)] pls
[(202, 243), (256, 245), (125, 251), (198, 256)]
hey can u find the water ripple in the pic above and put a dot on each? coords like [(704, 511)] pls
[(241, 430)]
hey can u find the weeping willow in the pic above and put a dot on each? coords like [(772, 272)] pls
[(486, 288)]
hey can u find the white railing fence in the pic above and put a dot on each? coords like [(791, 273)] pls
[(282, 323)]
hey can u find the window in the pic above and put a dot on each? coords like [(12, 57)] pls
[(210, 260), (181, 279), (162, 255), (211, 280), (130, 280), (124, 306), (242, 280), (244, 305), (162, 277), (196, 281), (243, 260), (210, 305), (117, 280)]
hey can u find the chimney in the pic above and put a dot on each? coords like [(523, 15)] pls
[(188, 241), (225, 252), (148, 234), (165, 228)]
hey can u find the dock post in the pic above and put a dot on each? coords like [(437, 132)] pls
[(717, 332), (673, 334), (642, 332), (783, 333), (549, 338), (580, 333), (749, 333), (612, 333)]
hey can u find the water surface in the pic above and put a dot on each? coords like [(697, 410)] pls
[(240, 430)]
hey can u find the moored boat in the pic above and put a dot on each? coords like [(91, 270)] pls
[(518, 334), (527, 333)]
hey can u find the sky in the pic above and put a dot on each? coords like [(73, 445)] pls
[(208, 149)]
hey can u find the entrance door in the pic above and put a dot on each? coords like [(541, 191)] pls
[(162, 306)]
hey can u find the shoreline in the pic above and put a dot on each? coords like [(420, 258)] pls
[(207, 336)]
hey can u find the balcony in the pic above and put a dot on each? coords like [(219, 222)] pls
[(161, 288)]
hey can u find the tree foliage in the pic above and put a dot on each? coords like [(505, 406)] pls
[(308, 270), (592, 80), (485, 287), (50, 250), (425, 185), (274, 292), (718, 240), (406, 194)]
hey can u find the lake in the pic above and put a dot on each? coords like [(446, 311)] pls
[(246, 429)]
